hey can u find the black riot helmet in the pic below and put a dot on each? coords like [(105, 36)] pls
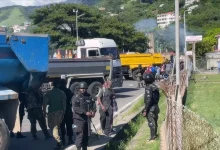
[(83, 85), (148, 78)]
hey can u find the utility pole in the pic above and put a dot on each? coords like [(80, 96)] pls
[(185, 49), (77, 34), (177, 40), (194, 55), (178, 115)]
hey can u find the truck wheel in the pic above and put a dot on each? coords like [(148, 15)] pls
[(74, 87), (4, 136), (134, 75), (93, 89), (127, 77)]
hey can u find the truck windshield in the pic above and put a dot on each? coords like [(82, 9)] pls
[(110, 51)]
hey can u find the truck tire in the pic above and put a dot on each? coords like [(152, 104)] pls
[(4, 136), (93, 89), (74, 87), (134, 75), (127, 77)]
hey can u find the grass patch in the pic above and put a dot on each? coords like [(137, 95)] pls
[(139, 142), (136, 132), (124, 136), (204, 99), (210, 77)]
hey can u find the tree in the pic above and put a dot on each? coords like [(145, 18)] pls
[(59, 21), (208, 42)]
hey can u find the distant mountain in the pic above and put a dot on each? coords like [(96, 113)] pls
[(15, 15), (86, 2)]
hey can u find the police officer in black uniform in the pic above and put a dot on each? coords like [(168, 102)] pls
[(151, 100), (66, 125), (83, 109)]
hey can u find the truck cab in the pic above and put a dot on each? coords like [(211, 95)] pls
[(98, 47)]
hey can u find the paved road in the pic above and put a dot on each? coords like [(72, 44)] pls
[(124, 95)]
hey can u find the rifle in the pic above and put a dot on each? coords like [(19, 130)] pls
[(89, 121)]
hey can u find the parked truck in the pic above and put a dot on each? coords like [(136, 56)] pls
[(102, 47), (23, 67), (96, 61), (130, 62)]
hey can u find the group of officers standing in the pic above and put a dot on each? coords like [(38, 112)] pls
[(66, 110)]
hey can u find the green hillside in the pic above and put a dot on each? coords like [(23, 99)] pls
[(15, 15)]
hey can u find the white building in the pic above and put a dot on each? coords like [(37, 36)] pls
[(163, 20), (189, 2)]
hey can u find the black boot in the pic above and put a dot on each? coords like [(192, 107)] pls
[(20, 136), (47, 134), (59, 146), (12, 134), (35, 137), (63, 140), (152, 134), (70, 140), (156, 132), (84, 148)]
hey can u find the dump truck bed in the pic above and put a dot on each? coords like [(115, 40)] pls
[(133, 60), (58, 67)]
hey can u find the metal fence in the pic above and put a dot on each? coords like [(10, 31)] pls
[(206, 65), (182, 128)]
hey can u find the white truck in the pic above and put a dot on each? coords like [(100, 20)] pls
[(98, 47)]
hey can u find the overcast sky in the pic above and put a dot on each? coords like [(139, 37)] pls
[(4, 3)]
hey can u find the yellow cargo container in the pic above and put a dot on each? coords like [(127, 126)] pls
[(130, 62)]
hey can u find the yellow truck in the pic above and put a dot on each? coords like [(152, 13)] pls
[(130, 62)]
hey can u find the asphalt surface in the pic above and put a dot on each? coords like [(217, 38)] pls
[(128, 93)]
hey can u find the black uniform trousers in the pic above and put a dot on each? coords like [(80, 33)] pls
[(106, 119), (66, 125), (34, 115), (152, 118), (21, 112), (81, 131)]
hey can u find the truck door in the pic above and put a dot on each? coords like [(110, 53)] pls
[(83, 52)]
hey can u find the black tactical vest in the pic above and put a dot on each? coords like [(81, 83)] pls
[(151, 97)]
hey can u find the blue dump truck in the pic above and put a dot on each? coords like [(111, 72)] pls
[(23, 67)]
